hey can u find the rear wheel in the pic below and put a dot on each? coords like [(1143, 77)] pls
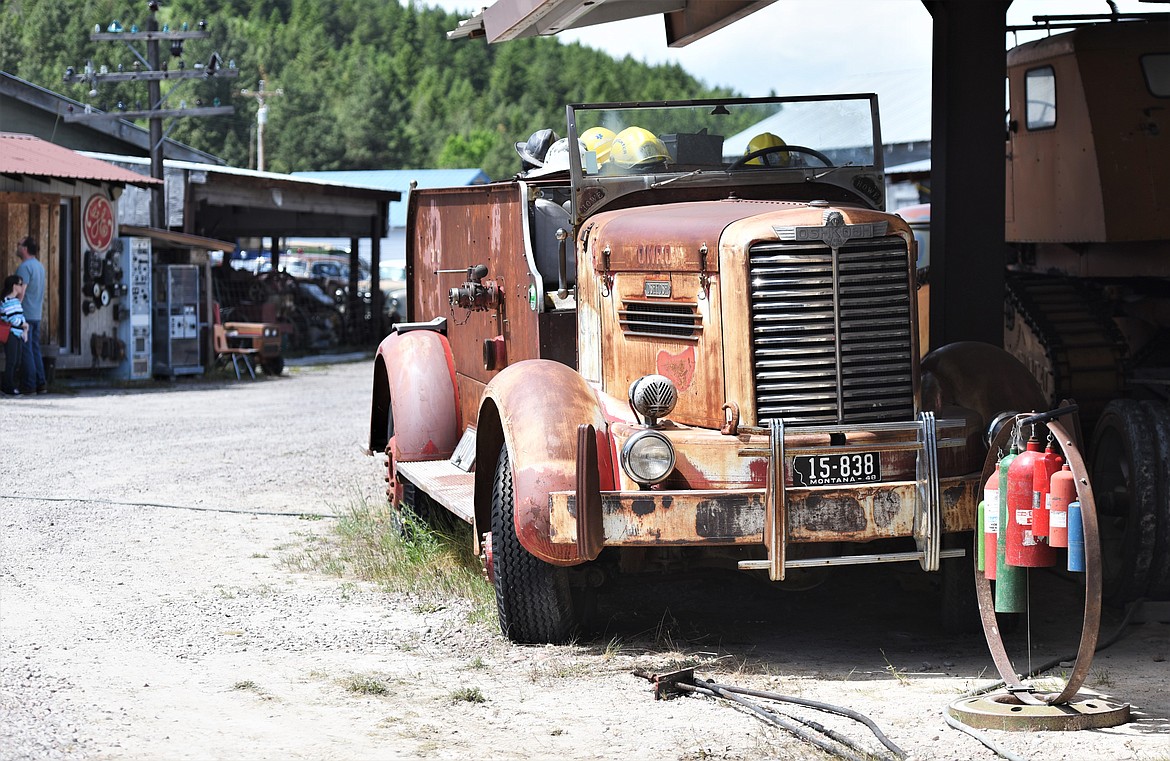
[(1159, 581), (1124, 474), (533, 597)]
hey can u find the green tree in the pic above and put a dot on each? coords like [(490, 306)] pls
[(368, 84)]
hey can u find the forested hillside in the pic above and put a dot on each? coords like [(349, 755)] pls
[(367, 84)]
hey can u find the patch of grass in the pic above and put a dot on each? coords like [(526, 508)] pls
[(1102, 678), (468, 695), (247, 685), (436, 564), (895, 672), (477, 663), (545, 672), (366, 685)]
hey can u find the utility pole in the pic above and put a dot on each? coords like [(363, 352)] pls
[(155, 72), (261, 117)]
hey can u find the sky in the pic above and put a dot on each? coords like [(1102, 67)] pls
[(804, 47)]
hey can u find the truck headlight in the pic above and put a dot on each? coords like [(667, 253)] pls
[(647, 457)]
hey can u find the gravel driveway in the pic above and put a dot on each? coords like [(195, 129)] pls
[(146, 613)]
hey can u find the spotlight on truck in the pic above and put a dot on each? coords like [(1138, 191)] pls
[(652, 397)]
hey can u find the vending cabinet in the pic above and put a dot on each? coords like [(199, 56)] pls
[(177, 317), (134, 312)]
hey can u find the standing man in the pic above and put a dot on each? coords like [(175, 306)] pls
[(33, 273)]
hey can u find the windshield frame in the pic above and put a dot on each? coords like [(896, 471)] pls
[(860, 182)]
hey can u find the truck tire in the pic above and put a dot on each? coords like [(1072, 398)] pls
[(273, 367), (1123, 470), (533, 597), (959, 609), (1159, 582)]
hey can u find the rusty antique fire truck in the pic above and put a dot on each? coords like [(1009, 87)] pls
[(673, 353)]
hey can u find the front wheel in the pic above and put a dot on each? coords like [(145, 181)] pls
[(533, 597)]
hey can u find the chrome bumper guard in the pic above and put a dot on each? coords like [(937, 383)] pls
[(928, 522)]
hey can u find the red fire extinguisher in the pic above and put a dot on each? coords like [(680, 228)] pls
[(1021, 547), (990, 524), (1048, 464), (1063, 491)]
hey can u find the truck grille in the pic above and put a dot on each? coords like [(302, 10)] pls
[(801, 298)]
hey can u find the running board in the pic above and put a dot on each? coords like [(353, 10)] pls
[(447, 484), (890, 557)]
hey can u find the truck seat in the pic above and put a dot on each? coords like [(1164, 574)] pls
[(547, 217)]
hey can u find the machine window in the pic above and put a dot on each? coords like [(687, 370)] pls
[(1040, 92), (1156, 67)]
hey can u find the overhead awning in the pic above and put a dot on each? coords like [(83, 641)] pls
[(32, 157), (686, 20), (177, 239), (228, 203)]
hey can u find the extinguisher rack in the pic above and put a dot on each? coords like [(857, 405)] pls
[(1092, 612)]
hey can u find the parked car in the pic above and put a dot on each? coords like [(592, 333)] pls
[(392, 280), (392, 275), (330, 272)]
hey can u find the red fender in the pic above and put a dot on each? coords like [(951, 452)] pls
[(535, 407), (415, 402)]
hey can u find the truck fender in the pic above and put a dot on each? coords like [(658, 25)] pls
[(415, 402), (535, 408), (980, 377)]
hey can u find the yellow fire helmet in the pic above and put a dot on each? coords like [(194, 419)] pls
[(767, 140), (599, 140), (637, 148)]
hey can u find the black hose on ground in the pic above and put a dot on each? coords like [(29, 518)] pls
[(826, 707), (850, 752)]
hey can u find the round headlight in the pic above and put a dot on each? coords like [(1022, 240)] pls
[(648, 457)]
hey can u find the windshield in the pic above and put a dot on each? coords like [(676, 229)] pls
[(785, 148), (743, 135)]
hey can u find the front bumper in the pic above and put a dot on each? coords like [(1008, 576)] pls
[(779, 514)]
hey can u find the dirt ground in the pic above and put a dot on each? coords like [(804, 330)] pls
[(146, 613)]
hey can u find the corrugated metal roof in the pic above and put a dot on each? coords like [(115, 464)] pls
[(27, 155)]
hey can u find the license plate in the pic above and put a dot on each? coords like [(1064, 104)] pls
[(836, 469)]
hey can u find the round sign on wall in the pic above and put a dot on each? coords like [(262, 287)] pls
[(98, 223)]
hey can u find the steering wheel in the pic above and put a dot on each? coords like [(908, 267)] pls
[(769, 150)]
